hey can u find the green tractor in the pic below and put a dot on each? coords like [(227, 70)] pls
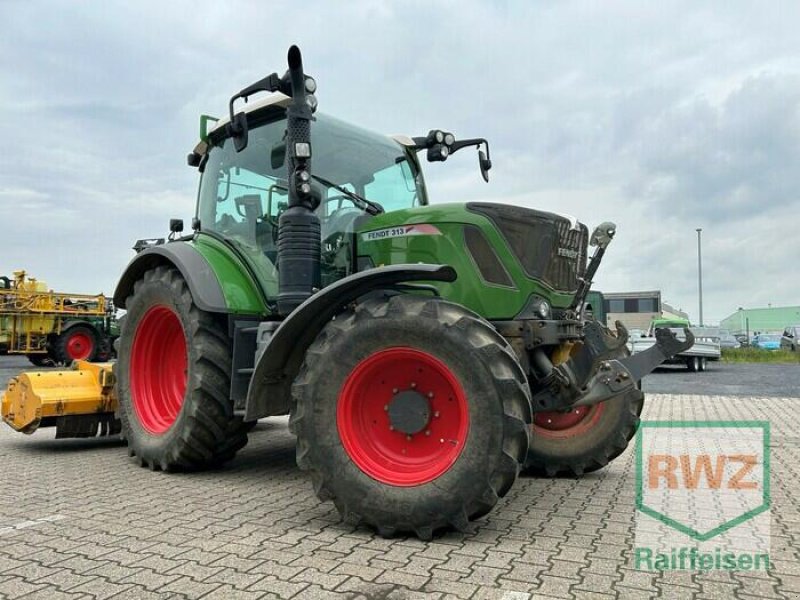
[(425, 353)]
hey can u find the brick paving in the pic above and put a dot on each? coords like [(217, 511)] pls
[(79, 520)]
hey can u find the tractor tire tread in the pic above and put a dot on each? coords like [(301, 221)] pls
[(613, 446), (506, 373), (212, 434)]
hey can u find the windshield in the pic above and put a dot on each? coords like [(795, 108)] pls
[(242, 194), (368, 164)]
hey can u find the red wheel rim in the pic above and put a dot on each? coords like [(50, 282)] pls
[(364, 417), (577, 421), (79, 346), (158, 369)]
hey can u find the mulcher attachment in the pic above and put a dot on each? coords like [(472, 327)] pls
[(79, 402), (87, 426)]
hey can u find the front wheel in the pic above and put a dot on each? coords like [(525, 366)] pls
[(174, 374), (410, 415), (584, 438)]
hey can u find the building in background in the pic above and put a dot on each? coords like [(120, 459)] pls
[(668, 312), (637, 309), (595, 307), (749, 321), (634, 309)]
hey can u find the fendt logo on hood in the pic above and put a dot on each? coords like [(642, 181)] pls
[(567, 253), (401, 231)]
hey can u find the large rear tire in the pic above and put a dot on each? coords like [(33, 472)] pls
[(585, 438), (410, 414), (174, 373)]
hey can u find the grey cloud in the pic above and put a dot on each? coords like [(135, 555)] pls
[(660, 118)]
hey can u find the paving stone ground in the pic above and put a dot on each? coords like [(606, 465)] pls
[(78, 519)]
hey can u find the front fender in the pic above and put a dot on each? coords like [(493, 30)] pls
[(276, 367)]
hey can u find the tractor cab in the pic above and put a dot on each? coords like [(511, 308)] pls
[(355, 171)]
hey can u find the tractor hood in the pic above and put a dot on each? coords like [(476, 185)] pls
[(503, 254)]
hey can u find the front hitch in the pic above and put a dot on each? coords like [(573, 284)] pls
[(602, 369)]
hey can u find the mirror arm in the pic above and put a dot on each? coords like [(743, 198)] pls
[(459, 144)]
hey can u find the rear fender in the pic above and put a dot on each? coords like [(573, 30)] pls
[(277, 366), (195, 269)]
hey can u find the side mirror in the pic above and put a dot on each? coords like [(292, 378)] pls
[(238, 131), (277, 155), (485, 164)]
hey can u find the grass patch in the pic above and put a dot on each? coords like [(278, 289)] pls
[(758, 355)]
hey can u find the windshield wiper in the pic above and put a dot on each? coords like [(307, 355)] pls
[(369, 206)]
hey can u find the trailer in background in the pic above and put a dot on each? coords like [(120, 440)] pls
[(705, 349)]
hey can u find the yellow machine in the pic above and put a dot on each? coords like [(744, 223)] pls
[(79, 402), (46, 325)]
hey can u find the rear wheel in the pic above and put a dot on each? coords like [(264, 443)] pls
[(703, 364), (76, 343), (410, 415), (693, 364), (585, 438), (174, 378)]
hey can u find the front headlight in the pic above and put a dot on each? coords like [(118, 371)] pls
[(540, 308)]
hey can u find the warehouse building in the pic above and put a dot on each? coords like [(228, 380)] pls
[(773, 319), (637, 309)]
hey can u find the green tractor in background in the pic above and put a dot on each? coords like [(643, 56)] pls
[(425, 353)]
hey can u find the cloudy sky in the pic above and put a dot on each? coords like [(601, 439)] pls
[(660, 118)]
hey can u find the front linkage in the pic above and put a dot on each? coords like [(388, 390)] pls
[(600, 367)]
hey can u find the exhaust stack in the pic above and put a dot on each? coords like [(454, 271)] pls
[(299, 243)]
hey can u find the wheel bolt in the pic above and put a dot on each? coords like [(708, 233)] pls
[(408, 437), (436, 414), (549, 420), (386, 407), (413, 385), (427, 432), (430, 394), (395, 390), (391, 427)]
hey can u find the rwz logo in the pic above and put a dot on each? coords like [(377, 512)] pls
[(663, 468), (702, 477)]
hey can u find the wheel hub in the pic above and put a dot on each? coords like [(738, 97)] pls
[(409, 412), (79, 346), (159, 369), (402, 416)]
